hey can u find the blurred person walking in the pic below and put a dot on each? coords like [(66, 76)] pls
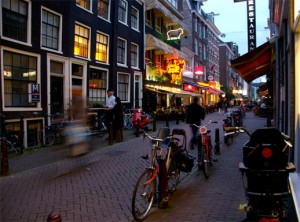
[(195, 113)]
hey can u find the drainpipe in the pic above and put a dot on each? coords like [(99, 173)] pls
[(277, 85)]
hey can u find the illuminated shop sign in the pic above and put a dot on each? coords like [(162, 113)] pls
[(188, 87), (251, 25), (199, 70), (174, 34)]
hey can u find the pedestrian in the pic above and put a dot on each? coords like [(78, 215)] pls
[(109, 106), (225, 104), (118, 120), (195, 113)]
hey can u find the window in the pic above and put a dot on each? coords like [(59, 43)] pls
[(14, 19), (174, 3), (81, 41), (148, 18), (158, 24), (102, 48), (123, 86), (103, 8), (196, 46), (19, 71), (84, 4), (97, 87), (134, 55), (50, 30), (134, 19), (195, 24), (122, 12), (121, 52)]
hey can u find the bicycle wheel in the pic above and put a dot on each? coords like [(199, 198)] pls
[(143, 196), (102, 130), (173, 176), (205, 163), (47, 136)]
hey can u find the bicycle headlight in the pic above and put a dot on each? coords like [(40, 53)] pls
[(203, 130)]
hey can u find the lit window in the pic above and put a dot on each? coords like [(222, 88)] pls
[(134, 55), (121, 52), (103, 8), (84, 4), (81, 41), (19, 71), (123, 86), (122, 13), (135, 19), (97, 87), (102, 48), (50, 30), (14, 19)]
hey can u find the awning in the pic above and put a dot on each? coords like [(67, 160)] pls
[(154, 43), (255, 63), (196, 85), (186, 93), (215, 91)]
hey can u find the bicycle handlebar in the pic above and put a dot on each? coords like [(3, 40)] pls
[(209, 122), (233, 128), (157, 139)]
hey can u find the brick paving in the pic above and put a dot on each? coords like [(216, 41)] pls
[(98, 186)]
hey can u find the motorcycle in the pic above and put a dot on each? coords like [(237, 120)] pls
[(265, 171)]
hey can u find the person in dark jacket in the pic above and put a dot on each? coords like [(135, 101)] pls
[(118, 120), (195, 113)]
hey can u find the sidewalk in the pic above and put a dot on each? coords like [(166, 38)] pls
[(98, 186)]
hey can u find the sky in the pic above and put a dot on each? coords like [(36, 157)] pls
[(232, 21)]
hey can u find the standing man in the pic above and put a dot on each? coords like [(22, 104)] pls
[(195, 113), (110, 104)]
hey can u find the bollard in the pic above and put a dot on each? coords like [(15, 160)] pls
[(163, 195), (4, 157), (154, 124), (177, 118), (111, 134), (217, 141), (167, 121), (54, 217), (22, 133)]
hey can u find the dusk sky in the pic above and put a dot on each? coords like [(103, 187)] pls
[(232, 21)]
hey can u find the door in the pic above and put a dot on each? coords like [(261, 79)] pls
[(56, 95)]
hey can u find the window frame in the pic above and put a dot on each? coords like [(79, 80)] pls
[(124, 64), (136, 65), (59, 37), (37, 106), (84, 7), (125, 22), (28, 25), (108, 9), (102, 89), (127, 93), (137, 19), (107, 45), (89, 40)]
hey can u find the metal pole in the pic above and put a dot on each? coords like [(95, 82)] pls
[(217, 141), (163, 195), (4, 157)]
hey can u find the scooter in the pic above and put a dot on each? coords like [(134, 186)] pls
[(265, 171), (140, 120)]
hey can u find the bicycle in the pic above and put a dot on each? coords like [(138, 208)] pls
[(204, 148), (99, 128), (163, 147), (49, 134), (128, 120), (12, 141)]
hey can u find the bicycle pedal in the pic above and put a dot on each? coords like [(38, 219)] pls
[(146, 157)]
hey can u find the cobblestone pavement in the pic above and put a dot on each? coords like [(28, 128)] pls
[(98, 186)]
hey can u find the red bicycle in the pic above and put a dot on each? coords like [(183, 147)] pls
[(204, 148)]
